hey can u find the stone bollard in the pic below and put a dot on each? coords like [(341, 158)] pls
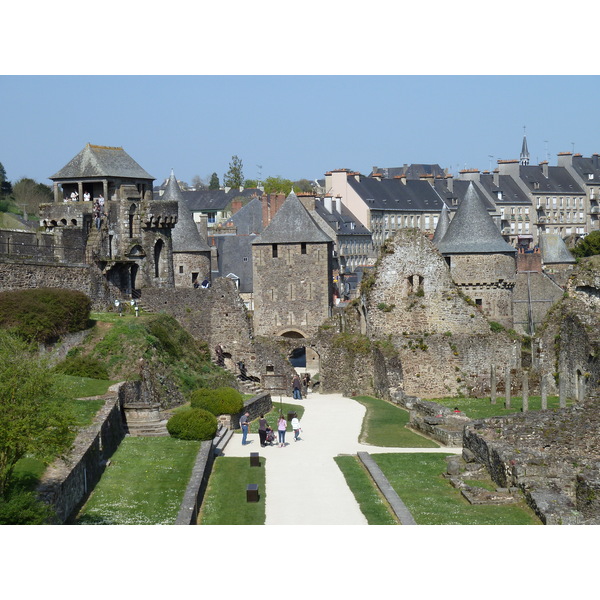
[(525, 391), (544, 392), (493, 384), (562, 396), (507, 385)]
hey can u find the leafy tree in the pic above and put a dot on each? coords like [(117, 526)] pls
[(588, 246), (29, 194), (278, 185), (234, 178), (5, 186), (34, 416), (214, 182), (303, 185), (250, 183)]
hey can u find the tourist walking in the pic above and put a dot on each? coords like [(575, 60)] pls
[(281, 428), (297, 386), (262, 430), (244, 426), (296, 427)]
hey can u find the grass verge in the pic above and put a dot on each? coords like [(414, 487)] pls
[(144, 485), (372, 504), (417, 479), (225, 499), (385, 425), (482, 408)]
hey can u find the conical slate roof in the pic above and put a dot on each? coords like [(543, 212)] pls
[(185, 236), (472, 230), (442, 226), (102, 161), (554, 250), (292, 224)]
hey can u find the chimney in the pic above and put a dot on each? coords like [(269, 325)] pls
[(595, 160), (235, 206), (450, 183), (327, 203), (496, 177), (544, 165), (203, 226), (308, 201)]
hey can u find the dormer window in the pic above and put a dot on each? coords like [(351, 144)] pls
[(536, 185)]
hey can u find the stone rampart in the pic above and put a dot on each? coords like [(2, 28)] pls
[(67, 483)]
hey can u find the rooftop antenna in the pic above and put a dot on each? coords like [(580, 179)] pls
[(573, 147), (546, 146), (259, 167), (490, 156)]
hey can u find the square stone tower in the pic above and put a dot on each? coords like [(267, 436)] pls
[(292, 274)]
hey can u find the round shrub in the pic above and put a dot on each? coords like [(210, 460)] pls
[(192, 424), (222, 401)]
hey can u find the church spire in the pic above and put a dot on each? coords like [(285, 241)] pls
[(524, 158)]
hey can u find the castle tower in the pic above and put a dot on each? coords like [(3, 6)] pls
[(481, 263), (191, 254), (292, 273), (442, 226)]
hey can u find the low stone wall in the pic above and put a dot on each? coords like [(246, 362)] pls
[(259, 405), (437, 422), (67, 483), (192, 500), (552, 456)]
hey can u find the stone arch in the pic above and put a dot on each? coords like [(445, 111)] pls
[(291, 332), (414, 284), (131, 219), (74, 222)]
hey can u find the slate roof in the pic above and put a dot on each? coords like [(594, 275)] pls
[(102, 161), (393, 195), (559, 180), (185, 235), (459, 190), (472, 230), (587, 166), (215, 200), (512, 193), (291, 224), (248, 220), (234, 255), (442, 226), (413, 171), (554, 250), (342, 224)]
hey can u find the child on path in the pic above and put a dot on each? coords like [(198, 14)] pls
[(281, 427), (296, 427)]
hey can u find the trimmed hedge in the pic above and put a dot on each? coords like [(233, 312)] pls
[(222, 401), (192, 424), (44, 314)]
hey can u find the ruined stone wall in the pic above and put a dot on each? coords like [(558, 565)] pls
[(551, 455), (292, 290), (188, 264), (443, 342), (216, 315), (488, 279)]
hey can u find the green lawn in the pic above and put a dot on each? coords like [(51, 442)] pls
[(385, 425), (84, 387), (144, 485), (417, 479), (371, 502), (225, 499), (482, 408)]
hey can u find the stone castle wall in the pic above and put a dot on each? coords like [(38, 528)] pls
[(442, 340), (292, 290)]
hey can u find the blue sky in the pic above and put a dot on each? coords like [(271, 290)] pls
[(293, 126)]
